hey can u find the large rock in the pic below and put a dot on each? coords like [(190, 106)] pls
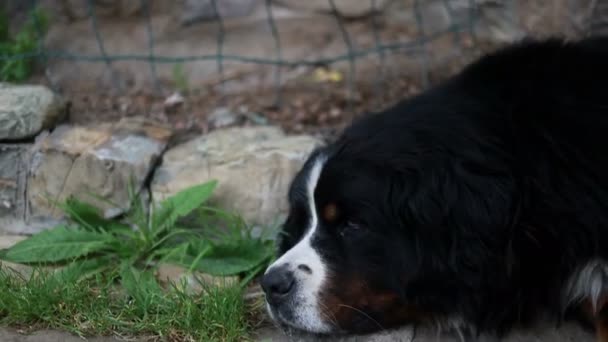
[(492, 20), (93, 160), (253, 166), (14, 167), (25, 110)]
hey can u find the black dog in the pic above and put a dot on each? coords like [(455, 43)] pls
[(480, 204)]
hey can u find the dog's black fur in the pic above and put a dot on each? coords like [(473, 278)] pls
[(475, 200)]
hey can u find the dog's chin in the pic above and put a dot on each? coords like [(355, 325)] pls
[(291, 326), (295, 331), (304, 335)]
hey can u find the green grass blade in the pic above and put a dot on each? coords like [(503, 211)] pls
[(250, 275), (82, 269), (143, 288), (198, 258)]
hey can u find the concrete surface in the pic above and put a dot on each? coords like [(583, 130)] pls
[(10, 335), (567, 333)]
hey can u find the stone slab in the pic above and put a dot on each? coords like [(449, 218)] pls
[(83, 161), (253, 166)]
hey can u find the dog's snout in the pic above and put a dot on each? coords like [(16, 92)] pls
[(277, 283)]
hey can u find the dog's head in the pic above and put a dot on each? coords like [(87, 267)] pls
[(388, 226), (334, 251)]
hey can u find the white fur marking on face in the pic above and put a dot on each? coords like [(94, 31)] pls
[(307, 315), (588, 282)]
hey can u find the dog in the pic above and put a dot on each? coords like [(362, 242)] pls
[(480, 204)]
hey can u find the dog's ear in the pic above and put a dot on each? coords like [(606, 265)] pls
[(482, 197), (465, 198)]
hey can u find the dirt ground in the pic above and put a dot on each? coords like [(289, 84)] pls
[(306, 105), (314, 109)]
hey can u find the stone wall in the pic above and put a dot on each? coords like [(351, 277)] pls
[(43, 165)]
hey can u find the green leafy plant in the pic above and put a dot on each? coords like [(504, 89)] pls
[(20, 47), (218, 243)]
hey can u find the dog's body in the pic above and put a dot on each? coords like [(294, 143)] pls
[(481, 203)]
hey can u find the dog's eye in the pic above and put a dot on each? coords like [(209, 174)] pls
[(330, 213), (350, 227)]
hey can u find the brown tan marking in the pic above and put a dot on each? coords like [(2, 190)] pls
[(330, 212), (598, 317), (354, 306)]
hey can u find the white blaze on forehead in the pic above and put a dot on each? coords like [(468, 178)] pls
[(307, 314)]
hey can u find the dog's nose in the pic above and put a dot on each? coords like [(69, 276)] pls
[(277, 284)]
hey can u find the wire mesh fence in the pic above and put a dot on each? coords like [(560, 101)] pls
[(352, 54), (464, 25)]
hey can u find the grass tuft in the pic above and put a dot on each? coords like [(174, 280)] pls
[(98, 306)]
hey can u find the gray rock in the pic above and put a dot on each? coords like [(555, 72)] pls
[(28, 226), (494, 20), (222, 117), (25, 110), (497, 22), (346, 8), (195, 10), (253, 167), (13, 167), (97, 160)]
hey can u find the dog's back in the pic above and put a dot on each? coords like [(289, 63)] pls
[(527, 126)]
